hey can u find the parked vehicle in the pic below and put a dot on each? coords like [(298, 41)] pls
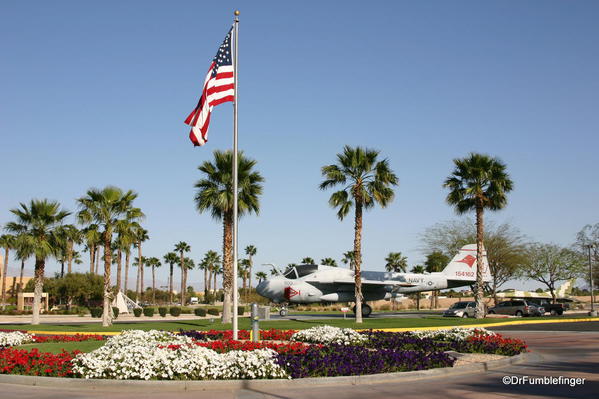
[(517, 308), (461, 309), (553, 308)]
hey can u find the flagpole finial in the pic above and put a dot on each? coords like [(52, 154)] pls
[(236, 13)]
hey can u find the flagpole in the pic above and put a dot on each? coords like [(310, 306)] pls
[(235, 103)]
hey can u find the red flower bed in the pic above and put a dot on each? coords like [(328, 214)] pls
[(497, 344), (34, 362), (231, 345), (67, 338), (269, 335)]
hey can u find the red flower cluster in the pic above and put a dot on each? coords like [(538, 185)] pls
[(508, 346), (34, 362), (67, 338), (232, 345), (271, 335)]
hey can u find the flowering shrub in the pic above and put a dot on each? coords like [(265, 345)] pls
[(399, 341), (452, 334), (337, 360), (14, 338), (493, 344), (162, 355), (15, 361), (329, 335)]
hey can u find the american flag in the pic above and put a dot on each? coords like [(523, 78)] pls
[(218, 89)]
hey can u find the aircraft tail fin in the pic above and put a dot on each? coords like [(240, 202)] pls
[(463, 265), (566, 288)]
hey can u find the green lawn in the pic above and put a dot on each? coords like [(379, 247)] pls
[(244, 323), (57, 347)]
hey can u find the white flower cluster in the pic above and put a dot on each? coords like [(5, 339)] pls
[(14, 338), (329, 335), (452, 334), (146, 355)]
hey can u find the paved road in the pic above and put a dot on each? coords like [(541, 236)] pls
[(567, 354)]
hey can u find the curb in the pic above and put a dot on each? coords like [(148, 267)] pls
[(162, 385)]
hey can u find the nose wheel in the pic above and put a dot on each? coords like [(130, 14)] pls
[(366, 310), (283, 312)]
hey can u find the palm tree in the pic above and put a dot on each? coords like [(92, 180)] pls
[(182, 247), (435, 262), (211, 261), (154, 262), (37, 226), (307, 261), (215, 193), (366, 181), (141, 235), (478, 182), (243, 269), (125, 229), (23, 251), (7, 241), (138, 262), (261, 276), (188, 264), (328, 262), (396, 262), (106, 207), (91, 236), (170, 258), (73, 236), (250, 251), (348, 257)]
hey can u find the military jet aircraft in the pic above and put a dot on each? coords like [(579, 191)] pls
[(303, 284)]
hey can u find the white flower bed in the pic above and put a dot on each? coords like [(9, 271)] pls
[(146, 355), (329, 335), (14, 338), (450, 334)]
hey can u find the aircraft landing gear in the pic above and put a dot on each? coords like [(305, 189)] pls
[(366, 310), (283, 311)]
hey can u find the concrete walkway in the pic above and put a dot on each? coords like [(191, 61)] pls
[(564, 353)]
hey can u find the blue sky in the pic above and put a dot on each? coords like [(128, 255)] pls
[(96, 94)]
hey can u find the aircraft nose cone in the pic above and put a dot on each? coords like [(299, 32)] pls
[(262, 288)]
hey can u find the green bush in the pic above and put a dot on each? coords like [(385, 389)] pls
[(137, 312), (240, 310), (162, 311), (186, 310), (96, 312), (213, 311), (149, 312), (175, 311), (200, 312), (209, 298), (115, 312)]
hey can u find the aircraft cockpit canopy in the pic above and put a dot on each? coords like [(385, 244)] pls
[(299, 271)]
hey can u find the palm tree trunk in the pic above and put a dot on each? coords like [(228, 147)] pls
[(127, 259), (119, 269), (170, 284), (97, 259), (37, 291), (92, 258), (227, 266), (479, 312), (4, 275), (141, 270), (61, 268), (214, 276), (250, 275), (69, 256), (107, 313), (358, 260), (21, 275), (153, 284), (137, 284), (182, 293), (205, 282)]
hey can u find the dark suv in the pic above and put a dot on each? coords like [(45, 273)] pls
[(517, 308)]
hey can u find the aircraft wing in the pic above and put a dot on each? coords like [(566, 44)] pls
[(394, 283)]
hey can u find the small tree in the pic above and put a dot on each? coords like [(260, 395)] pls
[(328, 262), (396, 262), (550, 264)]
